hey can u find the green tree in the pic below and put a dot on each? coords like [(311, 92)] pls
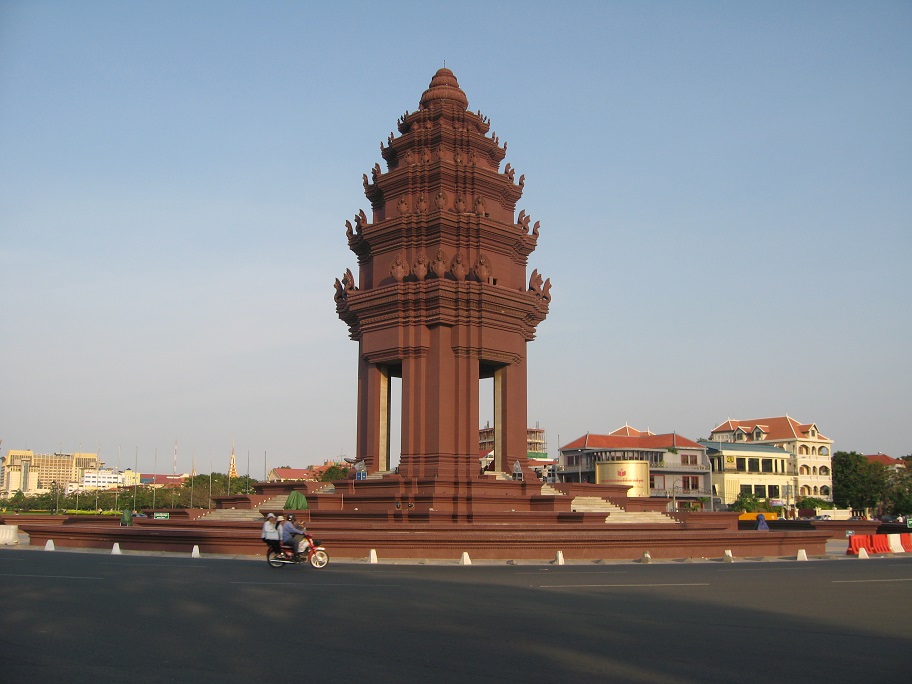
[(19, 501), (807, 502), (749, 503), (858, 482), (899, 491), (334, 473)]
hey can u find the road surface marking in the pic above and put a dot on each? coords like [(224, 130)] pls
[(588, 586), (52, 576), (903, 579)]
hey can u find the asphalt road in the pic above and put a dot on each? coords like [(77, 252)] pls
[(93, 617)]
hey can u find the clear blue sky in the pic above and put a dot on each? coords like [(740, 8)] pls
[(725, 192)]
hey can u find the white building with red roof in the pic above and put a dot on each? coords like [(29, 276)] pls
[(678, 467), (811, 453), (887, 461)]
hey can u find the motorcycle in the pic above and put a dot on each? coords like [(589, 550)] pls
[(311, 552)]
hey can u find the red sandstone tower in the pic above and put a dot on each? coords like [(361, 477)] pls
[(442, 299)]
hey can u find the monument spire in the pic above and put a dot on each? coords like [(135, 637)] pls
[(442, 299), (232, 468)]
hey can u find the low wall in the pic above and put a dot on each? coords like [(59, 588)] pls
[(493, 542), (836, 529)]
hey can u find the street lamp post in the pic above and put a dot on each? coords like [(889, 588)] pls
[(674, 500)]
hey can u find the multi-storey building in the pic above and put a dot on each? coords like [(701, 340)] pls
[(811, 454), (536, 445), (102, 478), (678, 467), (38, 473), (760, 469)]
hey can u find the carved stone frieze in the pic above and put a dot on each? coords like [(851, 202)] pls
[(420, 264), (440, 265)]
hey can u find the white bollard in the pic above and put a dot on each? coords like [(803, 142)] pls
[(559, 558), (372, 557), (115, 550), (647, 558), (728, 557), (196, 552), (802, 555), (465, 560), (9, 534), (49, 546), (863, 553)]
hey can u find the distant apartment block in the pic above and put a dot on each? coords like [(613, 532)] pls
[(102, 478), (536, 444), (39, 473)]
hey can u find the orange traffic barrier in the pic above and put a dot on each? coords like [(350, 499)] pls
[(859, 541), (906, 539), (881, 543)]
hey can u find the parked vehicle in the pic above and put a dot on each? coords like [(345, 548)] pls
[(312, 552)]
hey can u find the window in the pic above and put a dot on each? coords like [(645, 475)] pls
[(742, 465), (747, 490), (688, 459), (753, 465), (760, 491), (690, 482), (773, 491)]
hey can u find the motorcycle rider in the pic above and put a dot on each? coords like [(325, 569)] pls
[(292, 534)]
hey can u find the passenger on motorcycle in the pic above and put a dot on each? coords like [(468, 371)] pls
[(271, 533), (292, 534)]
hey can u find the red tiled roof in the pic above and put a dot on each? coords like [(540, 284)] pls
[(294, 473), (778, 428), (641, 440), (886, 460), (159, 479)]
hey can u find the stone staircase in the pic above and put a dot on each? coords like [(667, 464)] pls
[(548, 490), (247, 514), (234, 515), (273, 503), (616, 514)]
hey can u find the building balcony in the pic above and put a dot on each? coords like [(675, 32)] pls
[(664, 466), (678, 493)]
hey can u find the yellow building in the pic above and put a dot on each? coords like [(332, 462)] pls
[(764, 470), (811, 453), (37, 473)]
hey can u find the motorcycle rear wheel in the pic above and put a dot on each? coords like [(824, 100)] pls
[(319, 559), (275, 560)]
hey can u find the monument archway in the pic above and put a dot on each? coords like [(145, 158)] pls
[(442, 299)]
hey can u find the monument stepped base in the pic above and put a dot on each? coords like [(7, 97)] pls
[(489, 519)]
